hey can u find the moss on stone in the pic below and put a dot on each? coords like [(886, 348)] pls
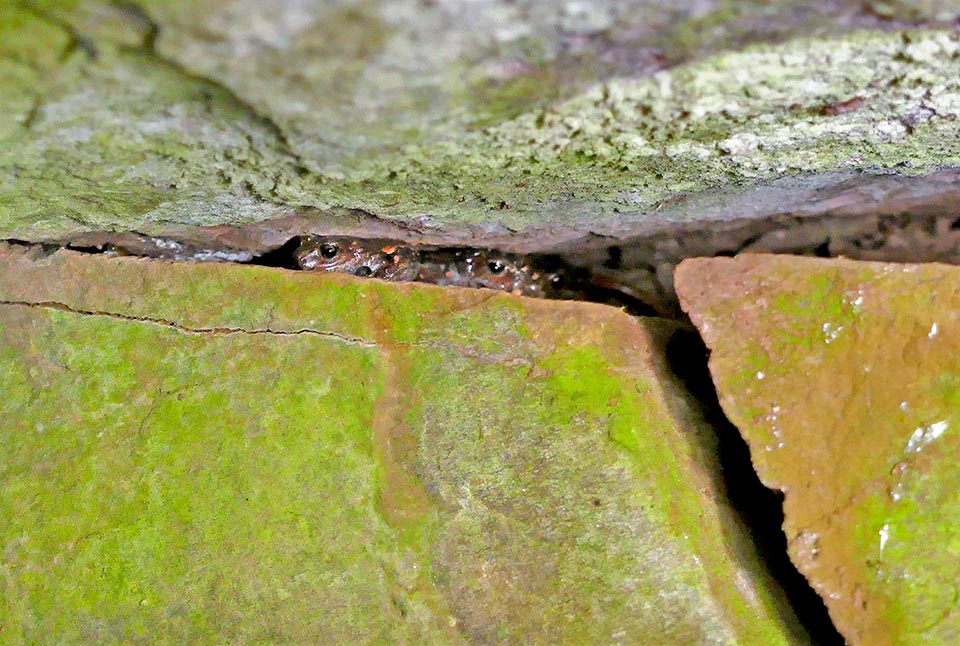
[(163, 504), (132, 139), (282, 456)]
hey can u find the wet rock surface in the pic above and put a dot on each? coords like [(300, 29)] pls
[(284, 456), (619, 137), (842, 377)]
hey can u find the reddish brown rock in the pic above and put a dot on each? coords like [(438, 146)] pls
[(844, 378)]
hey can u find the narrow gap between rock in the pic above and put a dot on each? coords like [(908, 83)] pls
[(634, 272), (760, 508)]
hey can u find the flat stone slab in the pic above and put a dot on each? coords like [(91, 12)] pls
[(844, 378), (201, 451)]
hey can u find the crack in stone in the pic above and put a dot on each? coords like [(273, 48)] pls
[(149, 48), (152, 27), (213, 330), (77, 41), (462, 350)]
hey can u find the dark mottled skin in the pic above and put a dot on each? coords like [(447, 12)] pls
[(392, 260), (485, 268), (368, 257)]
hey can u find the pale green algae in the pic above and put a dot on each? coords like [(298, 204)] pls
[(843, 377), (504, 476), (160, 503), (909, 529), (911, 544), (132, 140), (284, 456)]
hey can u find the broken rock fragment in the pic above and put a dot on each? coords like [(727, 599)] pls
[(844, 378)]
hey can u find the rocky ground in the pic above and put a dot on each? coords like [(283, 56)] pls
[(237, 448)]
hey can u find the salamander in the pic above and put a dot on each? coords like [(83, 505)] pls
[(393, 260), (372, 257)]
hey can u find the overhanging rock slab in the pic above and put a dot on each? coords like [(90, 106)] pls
[(451, 120)]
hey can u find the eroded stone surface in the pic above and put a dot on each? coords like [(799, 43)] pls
[(216, 450), (496, 115), (843, 377)]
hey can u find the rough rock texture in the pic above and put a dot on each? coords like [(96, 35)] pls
[(197, 450), (493, 115), (843, 377), (524, 124)]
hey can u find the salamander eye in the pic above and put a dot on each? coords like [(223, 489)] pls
[(496, 267), (329, 250), (364, 271), (556, 281)]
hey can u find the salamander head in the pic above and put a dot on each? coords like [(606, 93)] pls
[(514, 274), (361, 257)]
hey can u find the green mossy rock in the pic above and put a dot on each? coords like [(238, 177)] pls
[(499, 115), (196, 452), (844, 378)]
